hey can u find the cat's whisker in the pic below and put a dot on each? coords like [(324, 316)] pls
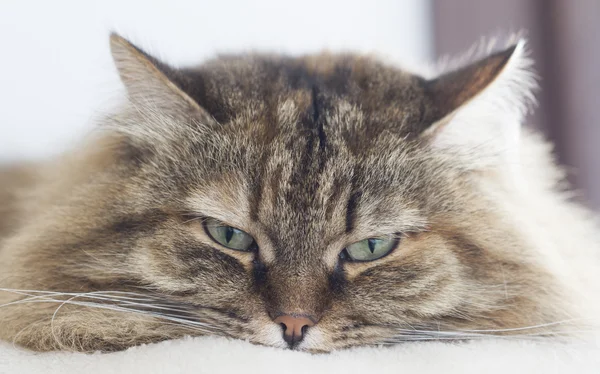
[(479, 331), (456, 336), (101, 306), (417, 334), (14, 290), (56, 338), (169, 317), (122, 304), (105, 295), (30, 299), (543, 325), (46, 294)]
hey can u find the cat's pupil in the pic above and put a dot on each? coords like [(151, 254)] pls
[(229, 231), (371, 243)]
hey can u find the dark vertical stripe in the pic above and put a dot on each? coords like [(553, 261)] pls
[(317, 104), (351, 208), (256, 192)]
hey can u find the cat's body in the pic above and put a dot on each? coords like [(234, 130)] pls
[(306, 155)]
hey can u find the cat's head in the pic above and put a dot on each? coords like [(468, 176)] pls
[(332, 198)]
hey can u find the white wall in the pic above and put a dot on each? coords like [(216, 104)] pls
[(56, 74)]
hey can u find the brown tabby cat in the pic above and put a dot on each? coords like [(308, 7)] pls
[(315, 203)]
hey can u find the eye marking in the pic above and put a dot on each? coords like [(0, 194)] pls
[(228, 236), (370, 249)]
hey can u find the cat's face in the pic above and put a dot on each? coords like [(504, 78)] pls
[(306, 196), (303, 198)]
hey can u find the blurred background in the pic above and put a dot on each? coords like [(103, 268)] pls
[(56, 74)]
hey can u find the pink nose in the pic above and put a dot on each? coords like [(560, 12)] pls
[(294, 327)]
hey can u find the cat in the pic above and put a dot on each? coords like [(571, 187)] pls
[(315, 203)]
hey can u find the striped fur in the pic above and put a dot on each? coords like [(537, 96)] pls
[(308, 155)]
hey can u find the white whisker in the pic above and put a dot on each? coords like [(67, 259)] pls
[(120, 303), (419, 334)]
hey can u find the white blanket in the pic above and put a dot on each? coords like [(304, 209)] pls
[(219, 355)]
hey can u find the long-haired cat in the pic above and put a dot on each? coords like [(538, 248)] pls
[(316, 202)]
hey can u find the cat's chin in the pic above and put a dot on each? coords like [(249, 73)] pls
[(321, 340)]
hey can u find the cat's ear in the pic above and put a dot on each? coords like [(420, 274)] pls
[(477, 110), (149, 82)]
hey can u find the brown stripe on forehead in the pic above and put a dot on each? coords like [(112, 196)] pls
[(311, 158), (318, 105), (352, 204), (255, 197), (267, 178), (351, 208), (256, 188)]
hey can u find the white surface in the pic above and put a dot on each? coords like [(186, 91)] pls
[(56, 73), (217, 355)]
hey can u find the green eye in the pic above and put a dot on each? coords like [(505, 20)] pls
[(370, 249), (228, 236)]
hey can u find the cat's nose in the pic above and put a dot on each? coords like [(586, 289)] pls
[(294, 327)]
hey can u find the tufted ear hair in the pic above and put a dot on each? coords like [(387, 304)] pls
[(160, 107), (477, 110), (150, 82)]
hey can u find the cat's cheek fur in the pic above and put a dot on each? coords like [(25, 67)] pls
[(424, 280)]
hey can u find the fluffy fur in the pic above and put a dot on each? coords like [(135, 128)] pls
[(103, 248)]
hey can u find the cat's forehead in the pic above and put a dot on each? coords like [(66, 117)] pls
[(356, 96), (312, 186), (317, 147)]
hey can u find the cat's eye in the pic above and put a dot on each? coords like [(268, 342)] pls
[(228, 236), (370, 249)]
